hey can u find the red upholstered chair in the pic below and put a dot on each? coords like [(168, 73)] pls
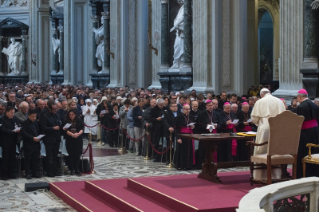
[(283, 145)]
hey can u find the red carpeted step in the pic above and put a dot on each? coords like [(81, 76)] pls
[(115, 192), (75, 195), (189, 193)]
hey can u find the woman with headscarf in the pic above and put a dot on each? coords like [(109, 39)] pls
[(90, 118)]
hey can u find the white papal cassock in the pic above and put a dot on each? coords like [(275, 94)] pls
[(268, 106)]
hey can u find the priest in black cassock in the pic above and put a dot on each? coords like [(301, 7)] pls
[(309, 133), (243, 126), (205, 118), (227, 148), (184, 157)]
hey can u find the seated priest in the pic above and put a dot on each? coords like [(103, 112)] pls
[(268, 106), (185, 152)]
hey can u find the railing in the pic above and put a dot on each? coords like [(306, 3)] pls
[(293, 195)]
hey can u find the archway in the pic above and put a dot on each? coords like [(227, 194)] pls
[(266, 47)]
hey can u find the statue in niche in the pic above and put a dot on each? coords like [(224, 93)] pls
[(179, 41), (56, 47), (13, 53), (99, 39)]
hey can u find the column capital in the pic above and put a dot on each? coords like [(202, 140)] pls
[(105, 15), (165, 1), (95, 18)]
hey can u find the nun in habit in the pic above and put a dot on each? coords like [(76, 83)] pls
[(90, 118)]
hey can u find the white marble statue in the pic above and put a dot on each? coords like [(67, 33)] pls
[(56, 47), (315, 4), (100, 48), (13, 53), (179, 41)]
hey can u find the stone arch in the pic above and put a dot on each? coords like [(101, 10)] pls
[(272, 6)]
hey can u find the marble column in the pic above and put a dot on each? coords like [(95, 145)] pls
[(310, 36), (164, 35), (1, 71), (61, 30), (291, 48), (188, 40), (95, 21), (55, 55), (23, 54)]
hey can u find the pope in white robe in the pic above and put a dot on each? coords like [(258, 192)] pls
[(268, 106), (90, 117)]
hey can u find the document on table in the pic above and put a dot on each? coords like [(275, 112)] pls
[(67, 126), (40, 136), (251, 133), (235, 121), (191, 124)]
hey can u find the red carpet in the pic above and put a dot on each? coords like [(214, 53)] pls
[(166, 193)]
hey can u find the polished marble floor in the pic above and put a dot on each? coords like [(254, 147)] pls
[(13, 197)]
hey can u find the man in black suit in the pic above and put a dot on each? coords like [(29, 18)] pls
[(156, 116), (169, 126), (50, 124), (8, 142), (29, 131)]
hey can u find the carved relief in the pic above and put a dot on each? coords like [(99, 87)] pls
[(14, 3), (226, 62), (132, 52)]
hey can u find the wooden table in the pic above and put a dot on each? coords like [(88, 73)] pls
[(209, 168)]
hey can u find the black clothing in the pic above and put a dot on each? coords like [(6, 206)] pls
[(195, 114), (157, 129), (221, 104), (169, 121), (29, 130), (201, 107), (113, 124), (136, 112), (204, 117), (225, 148), (242, 149), (51, 140), (8, 143), (74, 146), (309, 110), (184, 151)]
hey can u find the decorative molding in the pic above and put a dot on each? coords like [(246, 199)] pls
[(226, 61), (165, 1), (60, 27), (14, 3), (79, 43), (95, 18), (105, 15)]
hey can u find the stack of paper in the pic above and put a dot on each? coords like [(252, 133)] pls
[(191, 124)]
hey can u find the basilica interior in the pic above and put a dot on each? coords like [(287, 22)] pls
[(210, 46)]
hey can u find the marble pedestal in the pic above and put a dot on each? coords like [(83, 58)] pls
[(175, 81), (100, 80), (57, 79), (310, 81), (6, 79)]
